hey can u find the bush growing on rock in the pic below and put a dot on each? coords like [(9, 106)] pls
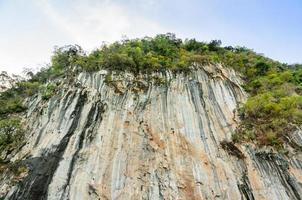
[(11, 134)]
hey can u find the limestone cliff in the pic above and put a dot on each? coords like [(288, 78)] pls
[(164, 136)]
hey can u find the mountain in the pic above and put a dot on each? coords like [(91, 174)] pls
[(100, 126)]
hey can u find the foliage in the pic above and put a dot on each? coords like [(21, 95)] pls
[(11, 133), (63, 58), (273, 110), (108, 78), (10, 102), (29, 88), (48, 91), (162, 52), (159, 80)]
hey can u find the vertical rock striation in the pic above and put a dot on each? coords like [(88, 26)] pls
[(132, 138)]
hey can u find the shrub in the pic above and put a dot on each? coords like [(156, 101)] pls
[(48, 91), (29, 88), (271, 116), (11, 133), (10, 102)]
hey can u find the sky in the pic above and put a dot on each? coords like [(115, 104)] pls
[(30, 29)]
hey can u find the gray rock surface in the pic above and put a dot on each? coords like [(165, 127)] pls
[(132, 138)]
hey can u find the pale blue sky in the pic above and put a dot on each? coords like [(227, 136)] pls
[(29, 29)]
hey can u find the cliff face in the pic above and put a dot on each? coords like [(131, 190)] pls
[(133, 138)]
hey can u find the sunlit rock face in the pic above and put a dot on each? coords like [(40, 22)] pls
[(141, 138)]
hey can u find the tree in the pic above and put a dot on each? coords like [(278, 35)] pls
[(262, 68), (214, 45)]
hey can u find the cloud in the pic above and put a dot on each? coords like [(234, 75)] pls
[(89, 23), (41, 25)]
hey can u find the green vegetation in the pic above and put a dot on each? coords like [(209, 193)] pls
[(10, 102), (11, 134), (158, 81), (268, 117), (274, 108), (145, 55), (48, 91)]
